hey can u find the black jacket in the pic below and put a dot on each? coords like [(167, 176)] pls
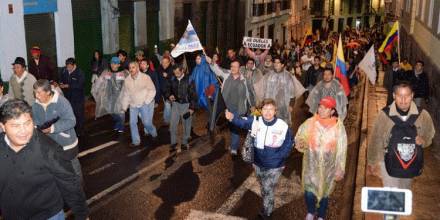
[(183, 91), (36, 181), (44, 70), (155, 78), (420, 85), (313, 76), (75, 80), (164, 80)]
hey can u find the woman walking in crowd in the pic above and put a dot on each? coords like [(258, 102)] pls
[(323, 141), (272, 145)]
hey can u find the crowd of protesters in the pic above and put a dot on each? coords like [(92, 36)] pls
[(251, 82)]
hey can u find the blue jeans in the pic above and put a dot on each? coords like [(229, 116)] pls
[(235, 136), (311, 204), (118, 120), (146, 112), (58, 216), (167, 111)]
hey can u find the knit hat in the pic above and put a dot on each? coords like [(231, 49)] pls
[(328, 102)]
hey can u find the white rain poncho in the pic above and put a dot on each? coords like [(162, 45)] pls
[(335, 90), (282, 87), (253, 79), (107, 91)]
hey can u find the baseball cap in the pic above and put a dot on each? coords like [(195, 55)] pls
[(115, 60), (19, 60)]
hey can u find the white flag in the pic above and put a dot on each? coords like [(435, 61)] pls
[(188, 43), (368, 65)]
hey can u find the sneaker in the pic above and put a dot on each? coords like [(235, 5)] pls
[(234, 152), (120, 131), (310, 216)]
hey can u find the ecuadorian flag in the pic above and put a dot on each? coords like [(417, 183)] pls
[(388, 43), (340, 69)]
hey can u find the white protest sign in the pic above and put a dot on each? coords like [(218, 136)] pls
[(260, 43)]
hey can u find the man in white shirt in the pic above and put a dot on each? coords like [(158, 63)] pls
[(138, 93)]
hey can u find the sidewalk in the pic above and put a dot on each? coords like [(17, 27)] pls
[(425, 188)]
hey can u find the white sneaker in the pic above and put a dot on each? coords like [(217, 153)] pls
[(234, 152), (310, 216)]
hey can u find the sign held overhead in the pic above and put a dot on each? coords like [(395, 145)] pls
[(260, 43)]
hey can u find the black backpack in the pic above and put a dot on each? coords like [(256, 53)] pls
[(403, 157)]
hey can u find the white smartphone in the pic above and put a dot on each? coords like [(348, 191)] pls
[(386, 200)]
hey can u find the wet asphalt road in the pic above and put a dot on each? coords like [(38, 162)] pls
[(149, 182)]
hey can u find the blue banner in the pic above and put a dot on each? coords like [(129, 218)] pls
[(39, 6)]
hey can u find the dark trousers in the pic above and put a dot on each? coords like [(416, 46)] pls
[(311, 204), (78, 111)]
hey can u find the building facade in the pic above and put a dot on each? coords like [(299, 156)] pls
[(336, 15), (299, 20), (25, 24), (269, 19), (420, 37), (218, 23)]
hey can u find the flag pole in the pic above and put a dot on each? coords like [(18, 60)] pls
[(398, 40)]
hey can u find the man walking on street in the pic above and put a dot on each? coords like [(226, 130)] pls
[(138, 94), (35, 177), (165, 73), (183, 99), (236, 95), (420, 84), (20, 84), (72, 84), (106, 92), (392, 77), (282, 87), (400, 132), (328, 86)]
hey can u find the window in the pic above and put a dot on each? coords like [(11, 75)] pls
[(270, 7), (258, 10), (431, 13)]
